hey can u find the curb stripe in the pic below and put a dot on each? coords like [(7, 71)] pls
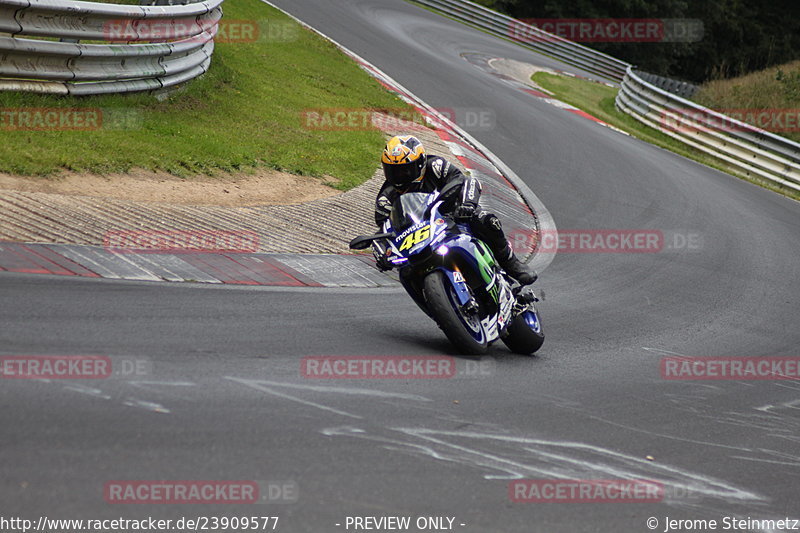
[(64, 262), (220, 267), (11, 261), (283, 270), (52, 267)]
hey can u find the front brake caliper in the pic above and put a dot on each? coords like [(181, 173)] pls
[(522, 302), (471, 307)]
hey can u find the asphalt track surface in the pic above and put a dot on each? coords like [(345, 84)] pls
[(225, 399)]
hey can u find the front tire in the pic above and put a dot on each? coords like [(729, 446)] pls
[(465, 332), (525, 335)]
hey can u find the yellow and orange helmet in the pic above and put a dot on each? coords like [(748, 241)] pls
[(403, 161)]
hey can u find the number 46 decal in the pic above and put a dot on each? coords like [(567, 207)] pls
[(417, 237)]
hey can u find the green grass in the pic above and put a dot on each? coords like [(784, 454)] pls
[(775, 88), (598, 100), (244, 113)]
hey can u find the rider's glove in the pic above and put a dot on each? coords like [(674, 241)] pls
[(381, 259), (465, 212)]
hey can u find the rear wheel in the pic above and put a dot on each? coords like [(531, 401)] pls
[(464, 330), (525, 334)]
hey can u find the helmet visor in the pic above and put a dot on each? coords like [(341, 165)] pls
[(402, 175)]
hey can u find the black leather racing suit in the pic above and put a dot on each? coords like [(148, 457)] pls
[(439, 172)]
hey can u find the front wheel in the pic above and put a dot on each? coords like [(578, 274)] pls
[(525, 334), (464, 330)]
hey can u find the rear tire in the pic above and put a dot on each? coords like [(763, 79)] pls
[(522, 338), (465, 332)]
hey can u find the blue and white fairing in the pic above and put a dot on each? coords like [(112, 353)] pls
[(421, 229)]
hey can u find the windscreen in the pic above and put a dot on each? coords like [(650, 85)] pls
[(408, 210)]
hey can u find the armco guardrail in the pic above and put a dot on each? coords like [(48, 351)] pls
[(143, 47), (740, 146), (681, 88), (653, 100), (531, 37)]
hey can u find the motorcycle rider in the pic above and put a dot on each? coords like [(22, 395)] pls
[(407, 168)]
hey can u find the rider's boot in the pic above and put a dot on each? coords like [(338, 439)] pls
[(488, 227), (516, 268)]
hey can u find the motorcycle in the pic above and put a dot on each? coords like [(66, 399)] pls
[(454, 278)]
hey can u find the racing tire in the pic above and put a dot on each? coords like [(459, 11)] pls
[(465, 332), (525, 335)]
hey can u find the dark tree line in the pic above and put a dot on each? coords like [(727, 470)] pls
[(740, 36)]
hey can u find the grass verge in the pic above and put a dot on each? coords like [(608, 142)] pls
[(244, 113), (598, 100), (776, 89)]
